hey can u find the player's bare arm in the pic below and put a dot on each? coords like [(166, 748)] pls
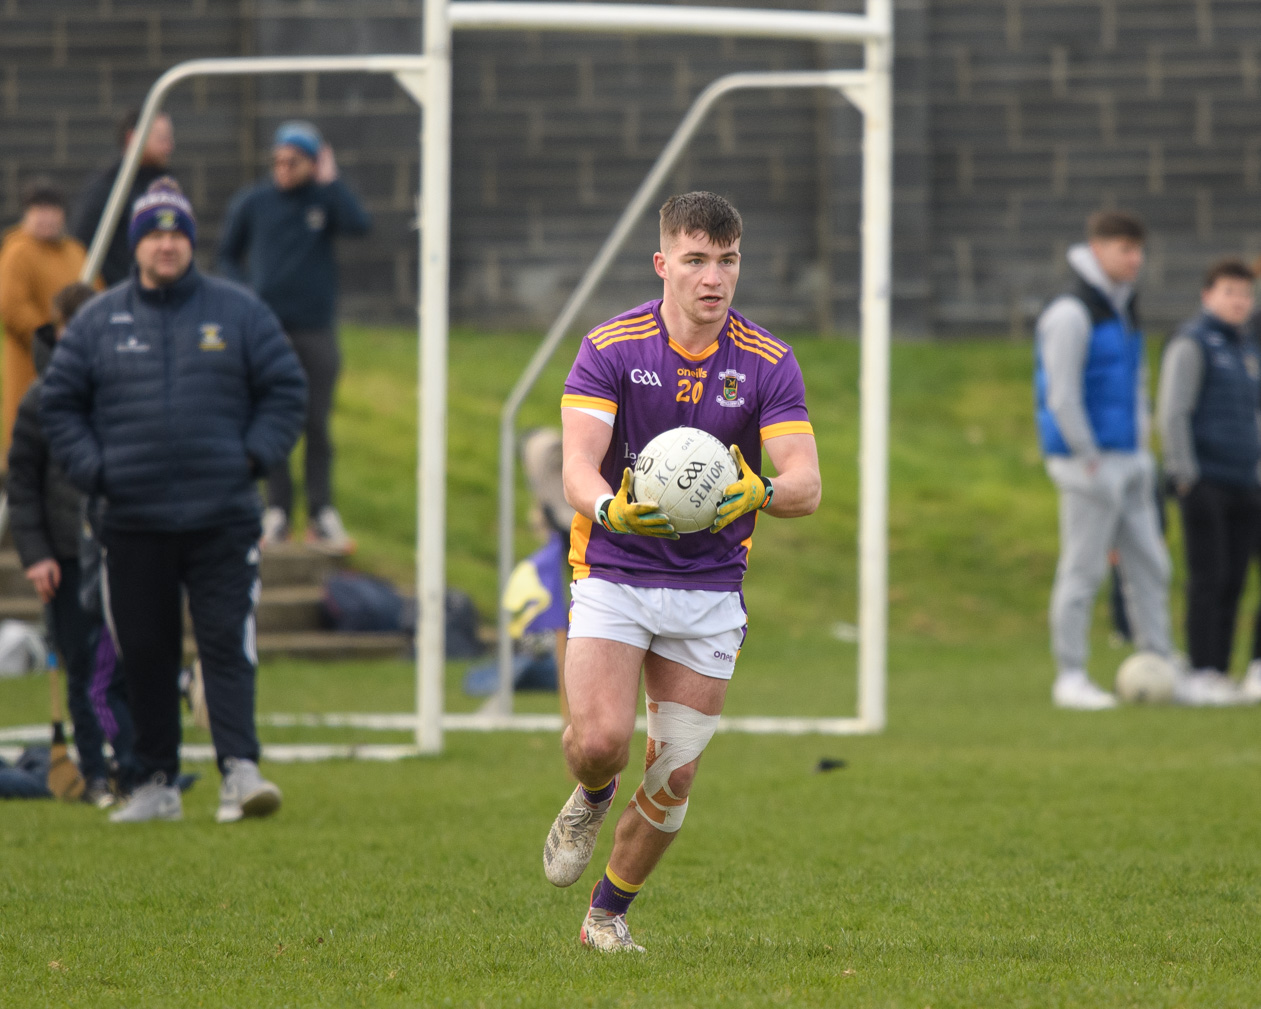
[(585, 440), (798, 486), (615, 511)]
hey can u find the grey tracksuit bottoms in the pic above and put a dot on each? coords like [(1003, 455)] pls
[(1114, 507)]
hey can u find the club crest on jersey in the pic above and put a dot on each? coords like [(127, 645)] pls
[(730, 395), (210, 338)]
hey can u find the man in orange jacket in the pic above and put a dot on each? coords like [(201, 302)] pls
[(37, 259)]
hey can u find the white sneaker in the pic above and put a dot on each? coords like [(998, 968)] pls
[(607, 932), (275, 527), (1074, 690), (326, 533), (154, 800), (1206, 688), (1250, 688), (245, 792), (571, 841)]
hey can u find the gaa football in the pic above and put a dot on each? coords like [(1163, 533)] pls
[(1146, 678), (685, 470)]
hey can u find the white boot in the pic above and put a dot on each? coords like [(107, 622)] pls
[(1073, 689)]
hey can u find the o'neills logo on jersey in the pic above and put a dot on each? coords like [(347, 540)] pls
[(730, 395), (641, 377)]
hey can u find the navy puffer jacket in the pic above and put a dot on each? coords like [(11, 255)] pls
[(170, 403)]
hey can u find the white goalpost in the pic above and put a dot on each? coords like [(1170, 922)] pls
[(427, 78)]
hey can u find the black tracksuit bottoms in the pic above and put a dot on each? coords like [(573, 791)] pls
[(144, 575), (321, 359), (1219, 527)]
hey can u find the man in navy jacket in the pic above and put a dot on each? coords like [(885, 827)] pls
[(278, 238), (168, 397)]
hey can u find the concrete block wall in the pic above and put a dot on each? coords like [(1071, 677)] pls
[(1041, 111), (70, 70), (1014, 119)]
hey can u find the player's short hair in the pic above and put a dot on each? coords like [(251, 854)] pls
[(71, 298), (42, 192), (1115, 224), (705, 213), (1235, 269)]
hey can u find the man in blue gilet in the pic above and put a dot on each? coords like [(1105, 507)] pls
[(1093, 423), (1210, 379)]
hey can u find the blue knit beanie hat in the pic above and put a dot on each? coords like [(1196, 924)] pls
[(163, 207), (300, 134)]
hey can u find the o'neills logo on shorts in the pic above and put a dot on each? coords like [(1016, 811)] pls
[(724, 657)]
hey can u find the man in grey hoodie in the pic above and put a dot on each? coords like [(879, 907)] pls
[(1093, 426)]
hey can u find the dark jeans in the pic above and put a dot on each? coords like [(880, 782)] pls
[(1219, 527), (75, 634), (321, 360), (218, 568)]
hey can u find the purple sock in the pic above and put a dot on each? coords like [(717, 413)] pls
[(613, 894), (600, 795)]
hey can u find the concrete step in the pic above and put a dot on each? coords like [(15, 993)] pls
[(12, 578), (326, 645), (288, 609), (295, 563)]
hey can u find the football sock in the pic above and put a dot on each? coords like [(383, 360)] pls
[(604, 793), (614, 894)]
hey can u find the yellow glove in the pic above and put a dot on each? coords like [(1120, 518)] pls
[(748, 494), (619, 514)]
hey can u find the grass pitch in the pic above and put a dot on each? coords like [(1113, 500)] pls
[(986, 850)]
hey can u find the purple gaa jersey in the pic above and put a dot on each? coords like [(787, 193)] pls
[(744, 389)]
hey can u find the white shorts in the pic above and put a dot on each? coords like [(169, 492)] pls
[(700, 629)]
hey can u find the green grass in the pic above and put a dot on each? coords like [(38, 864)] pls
[(986, 850)]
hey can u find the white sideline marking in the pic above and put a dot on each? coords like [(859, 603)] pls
[(287, 753)]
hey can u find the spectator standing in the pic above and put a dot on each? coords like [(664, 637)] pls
[(37, 259), (1210, 381), (1092, 414), (154, 160), (45, 517), (168, 397), (279, 238)]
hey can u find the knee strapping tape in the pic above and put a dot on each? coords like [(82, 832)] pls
[(677, 735)]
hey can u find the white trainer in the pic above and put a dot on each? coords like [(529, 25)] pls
[(245, 792), (1250, 687), (154, 800), (1074, 690), (571, 841), (326, 533), (275, 527), (607, 932), (1206, 688)]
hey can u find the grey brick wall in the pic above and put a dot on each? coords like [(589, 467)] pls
[(1013, 118), (1041, 111), (70, 70)]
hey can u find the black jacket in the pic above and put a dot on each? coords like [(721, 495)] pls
[(287, 237), (170, 403), (44, 506), (87, 215)]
